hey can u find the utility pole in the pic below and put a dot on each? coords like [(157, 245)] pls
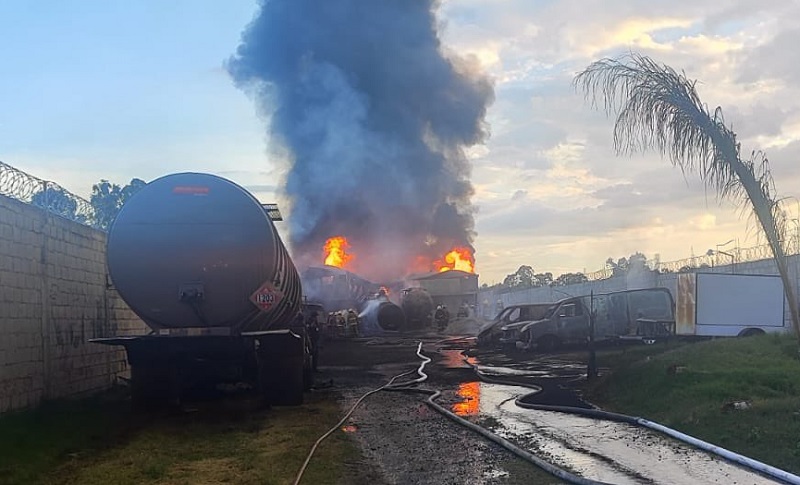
[(591, 368)]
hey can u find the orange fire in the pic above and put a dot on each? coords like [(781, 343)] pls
[(335, 252), (460, 258)]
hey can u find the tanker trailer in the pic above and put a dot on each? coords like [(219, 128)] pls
[(198, 259), (417, 304)]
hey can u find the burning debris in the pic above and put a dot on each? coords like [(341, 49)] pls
[(371, 116)]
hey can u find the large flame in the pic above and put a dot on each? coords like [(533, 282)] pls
[(335, 252), (460, 258)]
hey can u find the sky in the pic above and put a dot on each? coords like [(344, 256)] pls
[(114, 90)]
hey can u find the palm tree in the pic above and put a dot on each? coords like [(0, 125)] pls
[(658, 108)]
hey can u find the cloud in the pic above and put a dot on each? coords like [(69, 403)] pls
[(551, 190)]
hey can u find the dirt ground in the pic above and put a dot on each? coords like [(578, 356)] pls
[(403, 440)]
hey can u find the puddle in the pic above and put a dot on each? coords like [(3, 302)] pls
[(454, 359), (596, 449), (470, 394)]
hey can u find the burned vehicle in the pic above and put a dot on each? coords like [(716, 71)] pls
[(489, 334), (644, 314)]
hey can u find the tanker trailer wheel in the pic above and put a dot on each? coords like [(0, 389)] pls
[(154, 386), (281, 366)]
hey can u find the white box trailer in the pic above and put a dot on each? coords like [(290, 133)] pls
[(729, 305)]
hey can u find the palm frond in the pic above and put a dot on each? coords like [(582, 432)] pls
[(659, 108)]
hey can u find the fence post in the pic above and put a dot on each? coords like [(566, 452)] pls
[(45, 304)]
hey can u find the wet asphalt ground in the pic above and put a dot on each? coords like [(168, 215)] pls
[(404, 441)]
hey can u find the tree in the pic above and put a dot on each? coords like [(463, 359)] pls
[(659, 108), (523, 277), (570, 279), (107, 199), (623, 265), (56, 200)]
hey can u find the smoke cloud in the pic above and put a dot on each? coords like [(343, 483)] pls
[(372, 116)]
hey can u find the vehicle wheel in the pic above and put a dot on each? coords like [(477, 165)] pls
[(508, 348), (548, 343), (530, 343), (154, 386), (751, 332)]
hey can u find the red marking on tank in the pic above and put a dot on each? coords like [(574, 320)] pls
[(266, 296), (190, 190)]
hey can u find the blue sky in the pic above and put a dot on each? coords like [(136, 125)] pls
[(123, 89), (116, 90)]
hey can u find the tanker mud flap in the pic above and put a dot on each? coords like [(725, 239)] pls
[(281, 356)]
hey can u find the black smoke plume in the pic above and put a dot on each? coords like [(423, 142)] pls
[(372, 115)]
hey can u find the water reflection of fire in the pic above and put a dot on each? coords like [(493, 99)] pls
[(460, 258), (470, 392), (335, 252)]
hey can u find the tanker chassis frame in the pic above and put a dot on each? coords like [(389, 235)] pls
[(164, 364)]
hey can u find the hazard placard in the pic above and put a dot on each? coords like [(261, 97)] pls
[(266, 296)]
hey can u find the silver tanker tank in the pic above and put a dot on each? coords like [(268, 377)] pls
[(196, 250), (199, 260)]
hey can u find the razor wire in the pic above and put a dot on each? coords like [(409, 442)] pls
[(733, 256), (46, 195)]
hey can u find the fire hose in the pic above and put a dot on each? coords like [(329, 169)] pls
[(742, 460), (407, 386)]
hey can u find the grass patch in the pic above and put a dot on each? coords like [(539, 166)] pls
[(228, 442), (688, 386), (34, 441)]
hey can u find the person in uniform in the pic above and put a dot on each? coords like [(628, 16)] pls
[(312, 330)]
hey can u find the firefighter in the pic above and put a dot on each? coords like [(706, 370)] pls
[(352, 322), (330, 324), (341, 323), (312, 330), (441, 317), (463, 310), (299, 323)]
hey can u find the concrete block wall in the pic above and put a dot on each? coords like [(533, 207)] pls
[(53, 298)]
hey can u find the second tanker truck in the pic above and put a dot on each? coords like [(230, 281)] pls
[(198, 259)]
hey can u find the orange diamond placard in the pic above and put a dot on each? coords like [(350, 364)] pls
[(266, 296)]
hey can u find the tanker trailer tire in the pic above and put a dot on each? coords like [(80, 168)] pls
[(154, 386), (281, 368)]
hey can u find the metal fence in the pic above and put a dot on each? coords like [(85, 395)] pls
[(731, 256), (46, 195)]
